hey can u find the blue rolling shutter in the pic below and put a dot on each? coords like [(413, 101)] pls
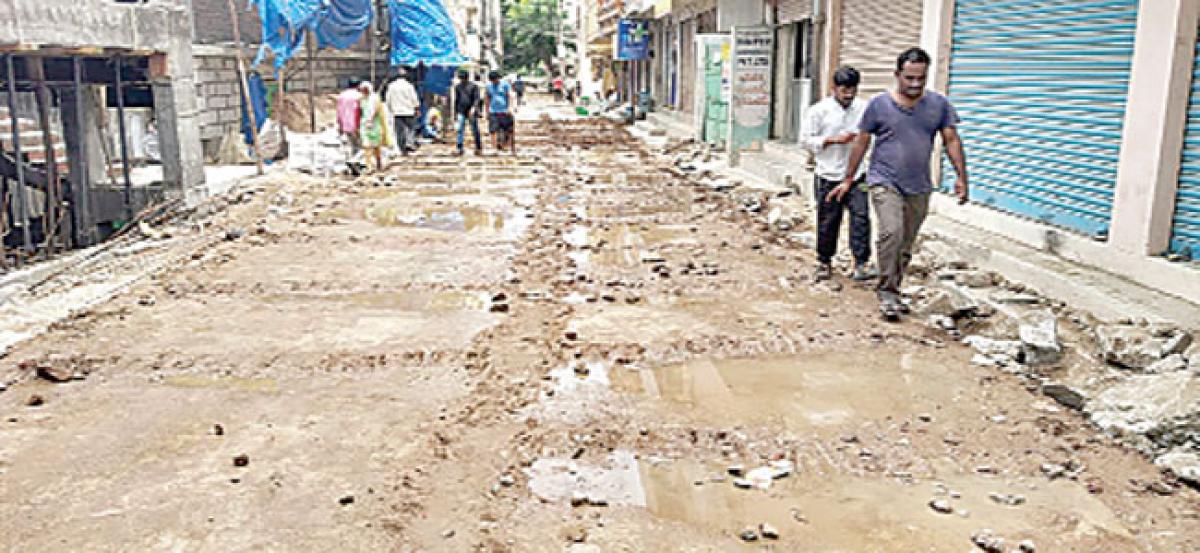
[(1185, 226), (1041, 87)]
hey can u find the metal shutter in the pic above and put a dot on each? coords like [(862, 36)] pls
[(874, 32), (790, 11), (1041, 88), (1185, 226)]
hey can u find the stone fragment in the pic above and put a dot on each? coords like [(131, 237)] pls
[(346, 500), (241, 460), (748, 535), (35, 400), (1178, 343), (1185, 465), (941, 506), (1165, 408), (1039, 338), (1026, 546), (768, 532), (988, 541), (1128, 346), (1012, 500), (1065, 395), (1171, 363)]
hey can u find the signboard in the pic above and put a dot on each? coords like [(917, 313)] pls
[(750, 102), (633, 40)]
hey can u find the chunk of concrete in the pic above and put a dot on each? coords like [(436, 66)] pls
[(1168, 364), (1128, 346), (1039, 338), (1065, 395), (1165, 408), (1185, 465)]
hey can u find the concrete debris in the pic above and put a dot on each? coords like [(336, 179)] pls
[(1011, 500), (1128, 346), (1026, 546), (748, 535), (35, 400), (988, 541), (1178, 343), (1168, 364), (1000, 351), (1184, 465), (1165, 408), (1039, 338), (768, 532), (941, 506), (1065, 395)]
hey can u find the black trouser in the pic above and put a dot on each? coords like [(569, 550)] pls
[(405, 139), (829, 221)]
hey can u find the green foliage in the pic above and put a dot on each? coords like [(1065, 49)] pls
[(530, 33)]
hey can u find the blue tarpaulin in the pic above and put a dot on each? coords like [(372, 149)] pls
[(423, 32), (258, 100), (336, 23)]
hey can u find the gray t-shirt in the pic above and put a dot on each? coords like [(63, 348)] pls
[(904, 140)]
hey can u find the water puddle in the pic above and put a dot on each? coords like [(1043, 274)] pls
[(849, 513), (816, 390)]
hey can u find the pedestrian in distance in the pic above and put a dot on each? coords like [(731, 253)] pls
[(501, 122), (828, 129), (557, 87), (519, 88), (466, 110), (904, 123), (372, 126), (402, 101), (348, 114)]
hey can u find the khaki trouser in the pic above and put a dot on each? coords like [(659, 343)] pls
[(899, 217)]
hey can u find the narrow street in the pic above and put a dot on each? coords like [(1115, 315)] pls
[(572, 349)]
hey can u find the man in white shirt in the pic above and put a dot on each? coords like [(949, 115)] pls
[(829, 127), (403, 103)]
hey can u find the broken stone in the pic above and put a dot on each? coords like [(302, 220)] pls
[(1039, 338), (941, 506), (146, 301), (1178, 343), (768, 532), (1184, 465), (1129, 347), (748, 535), (1012, 500), (1170, 363), (1161, 407), (737, 470), (988, 541), (35, 401), (499, 308), (1053, 470), (742, 483), (234, 233), (218, 430), (346, 500), (1065, 395), (973, 279), (1010, 349), (241, 460), (1026, 546)]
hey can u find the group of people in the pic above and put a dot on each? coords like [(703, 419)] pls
[(896, 181), (369, 122)]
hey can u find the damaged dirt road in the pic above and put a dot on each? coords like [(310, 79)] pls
[(574, 349)]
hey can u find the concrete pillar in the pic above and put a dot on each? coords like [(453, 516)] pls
[(937, 38), (1155, 116), (177, 114)]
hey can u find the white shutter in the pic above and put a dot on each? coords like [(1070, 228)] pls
[(790, 11), (874, 32)]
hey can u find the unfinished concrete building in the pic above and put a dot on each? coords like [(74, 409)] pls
[(73, 72)]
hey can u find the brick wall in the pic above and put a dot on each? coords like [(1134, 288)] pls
[(218, 92)]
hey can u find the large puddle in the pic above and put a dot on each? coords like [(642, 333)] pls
[(801, 392), (817, 511)]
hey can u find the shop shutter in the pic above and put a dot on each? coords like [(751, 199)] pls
[(874, 32), (790, 11), (1185, 226), (1041, 89)]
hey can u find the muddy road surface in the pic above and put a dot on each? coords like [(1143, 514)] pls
[(572, 349)]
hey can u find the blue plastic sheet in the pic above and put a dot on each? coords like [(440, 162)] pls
[(336, 23), (423, 32), (258, 102)]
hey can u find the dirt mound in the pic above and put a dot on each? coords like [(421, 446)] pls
[(295, 111)]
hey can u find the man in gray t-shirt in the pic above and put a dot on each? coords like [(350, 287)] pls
[(904, 123)]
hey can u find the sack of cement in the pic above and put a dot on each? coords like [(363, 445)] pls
[(316, 154)]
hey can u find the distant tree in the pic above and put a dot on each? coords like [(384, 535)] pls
[(531, 30)]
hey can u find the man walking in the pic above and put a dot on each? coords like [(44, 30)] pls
[(403, 103), (500, 113), (904, 123), (466, 110), (828, 129)]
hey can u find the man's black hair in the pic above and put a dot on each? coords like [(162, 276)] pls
[(493, 75), (355, 82), (846, 76), (912, 55)]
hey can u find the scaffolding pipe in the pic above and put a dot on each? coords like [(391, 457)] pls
[(80, 193), (22, 195), (120, 63)]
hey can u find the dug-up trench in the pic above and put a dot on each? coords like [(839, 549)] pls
[(577, 348)]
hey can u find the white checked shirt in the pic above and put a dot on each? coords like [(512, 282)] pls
[(825, 119)]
